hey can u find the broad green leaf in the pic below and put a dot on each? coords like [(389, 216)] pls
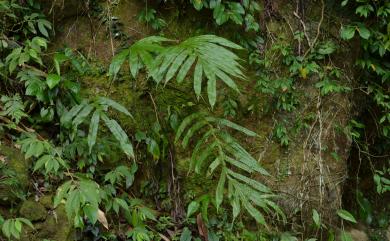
[(117, 62), (186, 235), (42, 29), (192, 208), (120, 135), (347, 32), (52, 80), (316, 218), (27, 222), (91, 212), (344, 214), (363, 31)]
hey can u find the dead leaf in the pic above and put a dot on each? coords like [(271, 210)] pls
[(202, 229), (102, 218)]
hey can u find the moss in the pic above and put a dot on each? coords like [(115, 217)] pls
[(55, 227), (17, 167), (47, 201), (33, 211)]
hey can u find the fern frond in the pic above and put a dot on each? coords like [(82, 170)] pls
[(209, 55), (139, 54), (12, 107), (217, 149), (212, 59), (80, 113)]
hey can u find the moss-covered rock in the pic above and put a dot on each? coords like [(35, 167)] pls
[(55, 227), (47, 201), (33, 211), (14, 175)]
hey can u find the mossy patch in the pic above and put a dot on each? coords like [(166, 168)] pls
[(33, 211), (16, 179)]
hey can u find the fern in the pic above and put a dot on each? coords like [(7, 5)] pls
[(97, 110), (215, 149), (13, 107), (139, 54), (208, 55)]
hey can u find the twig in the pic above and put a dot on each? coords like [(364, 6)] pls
[(318, 29)]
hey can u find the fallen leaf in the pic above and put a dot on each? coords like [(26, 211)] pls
[(102, 218), (202, 229)]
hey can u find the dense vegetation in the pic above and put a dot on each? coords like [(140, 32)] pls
[(117, 168)]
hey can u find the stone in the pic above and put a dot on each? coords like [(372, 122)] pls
[(33, 211)]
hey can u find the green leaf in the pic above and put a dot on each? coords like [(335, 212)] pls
[(6, 228), (52, 80), (343, 3), (91, 212), (115, 105), (236, 127), (363, 31), (211, 86), (198, 79), (188, 120), (220, 188), (186, 235), (93, 128), (42, 29), (120, 135), (27, 222), (154, 149), (117, 62), (185, 68), (344, 214), (316, 218), (192, 208), (347, 32), (254, 212)]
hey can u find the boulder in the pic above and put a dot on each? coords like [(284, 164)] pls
[(33, 211)]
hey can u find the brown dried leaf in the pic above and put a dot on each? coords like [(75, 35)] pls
[(202, 229), (102, 218)]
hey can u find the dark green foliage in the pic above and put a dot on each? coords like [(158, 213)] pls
[(216, 150), (208, 53)]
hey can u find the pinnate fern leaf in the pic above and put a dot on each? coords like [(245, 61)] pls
[(209, 56), (215, 149), (80, 114)]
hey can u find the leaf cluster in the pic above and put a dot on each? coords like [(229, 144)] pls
[(216, 150)]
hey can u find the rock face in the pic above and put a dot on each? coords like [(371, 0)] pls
[(49, 223), (309, 174)]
